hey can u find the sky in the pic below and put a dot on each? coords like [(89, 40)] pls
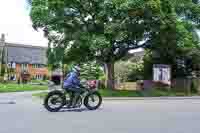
[(16, 24)]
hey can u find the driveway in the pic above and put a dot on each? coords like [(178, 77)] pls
[(20, 113)]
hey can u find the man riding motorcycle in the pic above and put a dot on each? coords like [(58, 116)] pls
[(72, 82), (79, 94)]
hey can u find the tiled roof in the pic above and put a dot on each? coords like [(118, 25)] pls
[(26, 54)]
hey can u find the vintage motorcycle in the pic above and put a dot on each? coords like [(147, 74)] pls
[(59, 98)]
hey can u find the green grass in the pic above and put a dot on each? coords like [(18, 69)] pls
[(40, 95), (20, 88), (126, 93), (39, 81), (119, 93), (160, 93), (105, 93)]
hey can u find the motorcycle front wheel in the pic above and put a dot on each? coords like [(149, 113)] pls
[(93, 101)]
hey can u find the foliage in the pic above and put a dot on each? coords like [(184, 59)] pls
[(175, 38), (92, 26), (106, 93), (45, 77), (129, 71), (2, 63), (102, 30), (126, 93), (137, 71), (148, 62), (2, 70), (122, 69), (91, 71), (184, 62), (1, 79)]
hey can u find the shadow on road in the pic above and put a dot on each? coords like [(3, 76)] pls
[(76, 110), (10, 102)]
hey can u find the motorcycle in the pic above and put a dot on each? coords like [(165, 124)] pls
[(89, 96)]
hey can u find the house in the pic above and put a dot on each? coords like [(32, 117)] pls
[(23, 59)]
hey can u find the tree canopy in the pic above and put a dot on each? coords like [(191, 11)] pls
[(105, 30)]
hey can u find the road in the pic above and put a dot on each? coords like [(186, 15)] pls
[(20, 113)]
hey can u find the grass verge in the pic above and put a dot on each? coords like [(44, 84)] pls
[(126, 93), (20, 88)]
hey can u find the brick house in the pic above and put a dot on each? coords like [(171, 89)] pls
[(23, 59)]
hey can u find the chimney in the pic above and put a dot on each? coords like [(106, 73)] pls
[(2, 39)]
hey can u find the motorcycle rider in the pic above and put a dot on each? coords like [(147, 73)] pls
[(72, 82)]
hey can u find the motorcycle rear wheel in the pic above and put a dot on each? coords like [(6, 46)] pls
[(54, 101)]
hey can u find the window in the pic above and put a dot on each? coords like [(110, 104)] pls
[(12, 77), (24, 66), (12, 65), (39, 77), (9, 65), (34, 65), (38, 66)]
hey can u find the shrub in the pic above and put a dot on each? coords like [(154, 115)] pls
[(129, 71), (44, 77), (1, 79), (194, 86)]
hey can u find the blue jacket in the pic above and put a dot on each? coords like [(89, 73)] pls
[(72, 80)]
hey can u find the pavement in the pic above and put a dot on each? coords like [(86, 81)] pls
[(22, 113)]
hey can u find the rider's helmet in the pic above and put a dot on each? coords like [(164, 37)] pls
[(76, 69)]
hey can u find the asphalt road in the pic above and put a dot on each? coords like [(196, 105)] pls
[(19, 113)]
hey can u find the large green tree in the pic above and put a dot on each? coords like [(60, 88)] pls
[(177, 36), (103, 30)]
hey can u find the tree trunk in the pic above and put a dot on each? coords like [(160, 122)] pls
[(110, 75)]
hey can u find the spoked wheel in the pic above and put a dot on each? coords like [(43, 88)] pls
[(93, 101), (54, 101)]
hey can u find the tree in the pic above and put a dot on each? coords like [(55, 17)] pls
[(2, 61), (175, 36), (129, 71), (91, 71), (102, 30)]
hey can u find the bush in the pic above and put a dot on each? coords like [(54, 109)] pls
[(44, 77), (129, 71), (194, 86), (2, 70), (1, 79)]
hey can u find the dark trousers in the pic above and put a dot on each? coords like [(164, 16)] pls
[(75, 93)]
